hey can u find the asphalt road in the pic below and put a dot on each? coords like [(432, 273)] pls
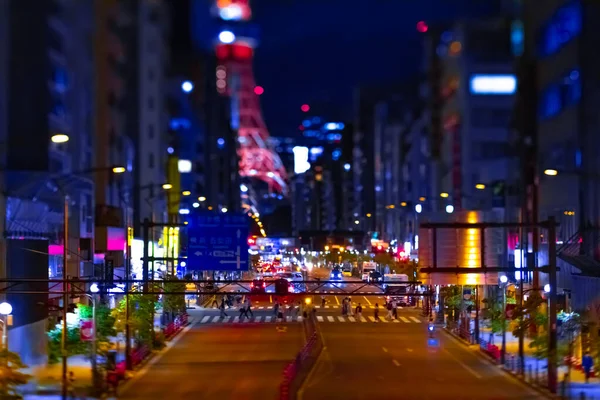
[(394, 361), (221, 362)]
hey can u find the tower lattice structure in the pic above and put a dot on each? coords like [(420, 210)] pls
[(235, 78)]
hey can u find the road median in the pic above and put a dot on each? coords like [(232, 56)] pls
[(296, 372)]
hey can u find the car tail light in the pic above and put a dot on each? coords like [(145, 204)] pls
[(252, 285)]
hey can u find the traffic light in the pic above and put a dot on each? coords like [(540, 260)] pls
[(252, 241)]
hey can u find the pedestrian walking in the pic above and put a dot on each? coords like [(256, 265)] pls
[(376, 312), (358, 311), (587, 363), (323, 301), (248, 308), (215, 303), (389, 310), (276, 309), (71, 385), (394, 310), (350, 306), (242, 310), (222, 308)]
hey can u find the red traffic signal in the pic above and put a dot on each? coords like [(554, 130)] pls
[(251, 241)]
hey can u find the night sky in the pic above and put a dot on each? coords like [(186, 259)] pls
[(317, 51)]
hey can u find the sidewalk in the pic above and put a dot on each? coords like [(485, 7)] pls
[(535, 368), (46, 381)]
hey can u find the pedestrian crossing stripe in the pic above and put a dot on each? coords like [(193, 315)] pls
[(318, 307), (216, 319)]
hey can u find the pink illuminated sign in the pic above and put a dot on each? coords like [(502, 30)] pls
[(55, 249)]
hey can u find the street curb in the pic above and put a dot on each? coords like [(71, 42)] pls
[(515, 377)]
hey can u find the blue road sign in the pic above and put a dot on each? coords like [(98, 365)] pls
[(218, 242)]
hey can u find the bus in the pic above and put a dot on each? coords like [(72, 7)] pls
[(367, 268), (396, 287)]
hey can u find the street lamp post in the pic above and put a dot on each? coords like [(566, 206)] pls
[(503, 282), (94, 289), (5, 311), (65, 297)]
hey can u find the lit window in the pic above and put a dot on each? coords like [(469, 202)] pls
[(184, 166), (564, 25)]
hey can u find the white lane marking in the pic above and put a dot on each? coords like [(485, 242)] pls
[(396, 363), (261, 308), (236, 319), (404, 319), (326, 306), (268, 318), (384, 349), (384, 320), (299, 318), (351, 319), (216, 319), (205, 319), (363, 319), (415, 319), (258, 319), (330, 318), (319, 318), (465, 366), (396, 321), (372, 318), (288, 319), (368, 302), (341, 319), (317, 306), (409, 350)]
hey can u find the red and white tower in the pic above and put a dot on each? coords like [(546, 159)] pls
[(235, 78)]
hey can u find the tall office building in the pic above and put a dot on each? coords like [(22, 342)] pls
[(48, 135), (116, 108), (147, 120), (476, 87)]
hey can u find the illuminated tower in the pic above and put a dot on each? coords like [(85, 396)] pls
[(235, 78)]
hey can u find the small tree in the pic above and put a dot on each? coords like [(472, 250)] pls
[(384, 259), (141, 316), (173, 303), (492, 311), (74, 345), (529, 315), (105, 321), (453, 301), (10, 375)]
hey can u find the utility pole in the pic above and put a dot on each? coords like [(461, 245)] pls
[(146, 239), (65, 296), (128, 363), (552, 336)]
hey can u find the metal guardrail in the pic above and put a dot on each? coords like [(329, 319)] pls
[(296, 372)]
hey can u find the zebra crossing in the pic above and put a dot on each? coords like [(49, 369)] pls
[(215, 319), (317, 307)]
